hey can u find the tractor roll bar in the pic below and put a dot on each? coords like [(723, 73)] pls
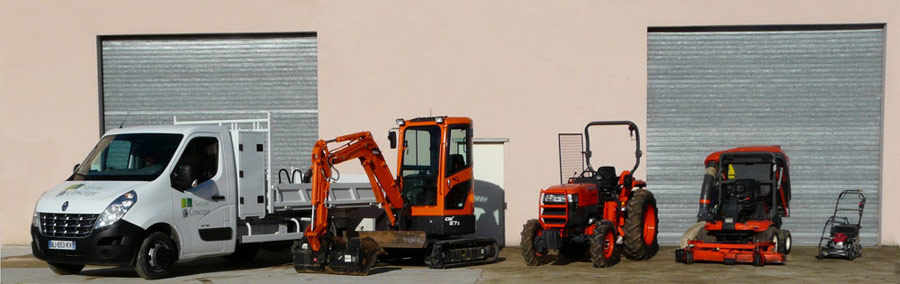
[(631, 127)]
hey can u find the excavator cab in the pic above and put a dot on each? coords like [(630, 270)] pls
[(435, 162)]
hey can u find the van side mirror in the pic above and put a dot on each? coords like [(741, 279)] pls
[(392, 136), (75, 168), (181, 177)]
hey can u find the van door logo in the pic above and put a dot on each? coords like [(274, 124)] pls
[(185, 204), (65, 206)]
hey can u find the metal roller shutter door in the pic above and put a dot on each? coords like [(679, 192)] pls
[(148, 80), (817, 93)]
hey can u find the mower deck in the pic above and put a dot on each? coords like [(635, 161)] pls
[(730, 253)]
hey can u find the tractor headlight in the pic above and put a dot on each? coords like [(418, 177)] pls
[(560, 198), (554, 198), (116, 210)]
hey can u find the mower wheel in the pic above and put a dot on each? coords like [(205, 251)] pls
[(529, 231), (688, 257), (679, 255), (784, 242), (758, 259), (604, 250), (641, 226), (769, 235)]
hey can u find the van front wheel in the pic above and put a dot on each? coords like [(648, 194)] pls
[(156, 257)]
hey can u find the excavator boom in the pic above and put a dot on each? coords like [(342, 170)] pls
[(360, 146)]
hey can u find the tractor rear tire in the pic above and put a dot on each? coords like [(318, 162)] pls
[(641, 241), (604, 250), (529, 231)]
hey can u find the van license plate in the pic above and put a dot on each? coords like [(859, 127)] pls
[(63, 245)]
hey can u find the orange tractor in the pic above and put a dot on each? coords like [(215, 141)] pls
[(597, 211), (426, 208)]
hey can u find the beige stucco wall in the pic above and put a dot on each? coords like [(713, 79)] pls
[(523, 70)]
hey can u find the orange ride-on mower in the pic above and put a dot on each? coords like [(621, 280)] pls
[(745, 193), (596, 212)]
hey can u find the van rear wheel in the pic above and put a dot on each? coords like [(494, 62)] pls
[(156, 257), (65, 269)]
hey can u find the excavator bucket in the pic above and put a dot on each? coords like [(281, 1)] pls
[(307, 260), (353, 257)]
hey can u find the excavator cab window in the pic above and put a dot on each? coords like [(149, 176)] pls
[(458, 156), (421, 161)]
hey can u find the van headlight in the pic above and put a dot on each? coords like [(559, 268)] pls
[(116, 210), (36, 217)]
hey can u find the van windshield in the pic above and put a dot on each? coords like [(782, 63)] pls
[(141, 157)]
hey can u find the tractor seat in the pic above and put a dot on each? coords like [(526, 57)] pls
[(606, 177)]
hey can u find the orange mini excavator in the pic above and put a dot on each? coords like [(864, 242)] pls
[(427, 206), (745, 193)]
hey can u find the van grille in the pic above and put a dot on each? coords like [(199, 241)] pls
[(67, 225)]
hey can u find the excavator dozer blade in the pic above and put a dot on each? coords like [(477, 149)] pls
[(355, 257), (462, 252), (397, 239)]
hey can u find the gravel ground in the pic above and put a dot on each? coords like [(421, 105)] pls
[(878, 265)]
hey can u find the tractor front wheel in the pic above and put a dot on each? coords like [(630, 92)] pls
[(604, 250), (529, 231), (641, 226)]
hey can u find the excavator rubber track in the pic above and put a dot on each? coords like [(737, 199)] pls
[(461, 252)]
